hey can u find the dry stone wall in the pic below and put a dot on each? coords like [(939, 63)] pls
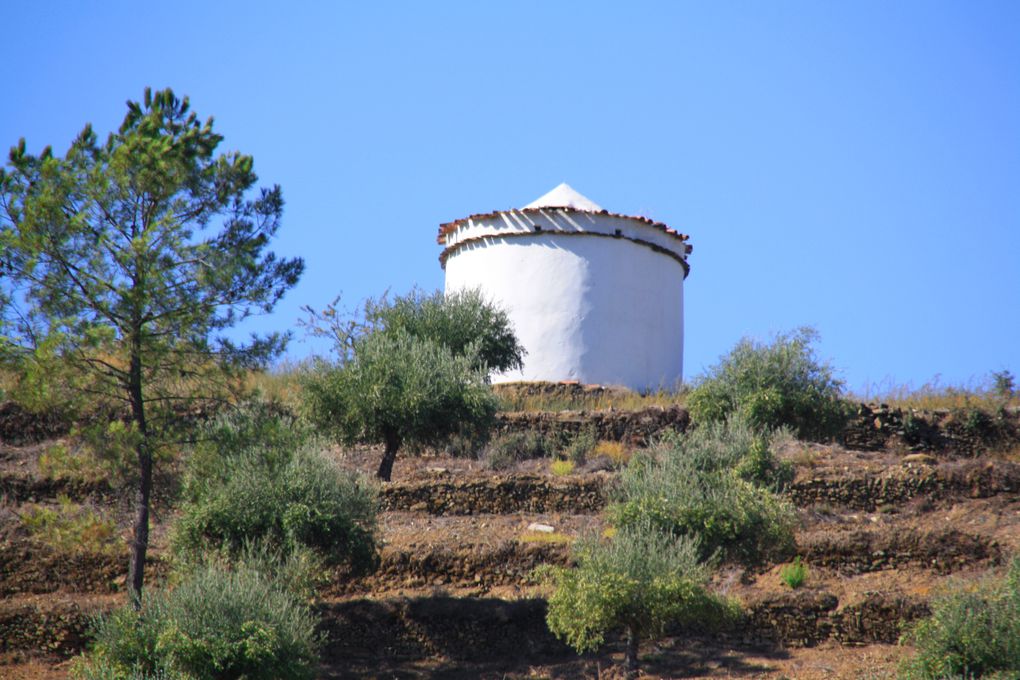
[(963, 431), (499, 495), (27, 567), (973, 479), (634, 428), (861, 550), (508, 564), (804, 618)]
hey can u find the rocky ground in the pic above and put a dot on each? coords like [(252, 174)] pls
[(881, 530)]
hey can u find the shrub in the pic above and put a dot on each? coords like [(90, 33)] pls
[(794, 574), (692, 486), (580, 445), (734, 445), (507, 450), (254, 428), (467, 444), (781, 384), (973, 631), (60, 461), (975, 422), (287, 499), (1003, 384), (638, 581), (215, 624)]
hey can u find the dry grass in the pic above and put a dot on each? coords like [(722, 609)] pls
[(544, 537), (617, 452), (71, 527), (561, 468), (282, 383), (933, 396), (588, 400)]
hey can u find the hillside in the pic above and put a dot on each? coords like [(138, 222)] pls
[(886, 520)]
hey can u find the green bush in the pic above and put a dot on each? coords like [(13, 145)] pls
[(794, 574), (781, 384), (973, 631), (468, 443), (710, 484), (581, 445), (736, 446), (638, 581), (1003, 385), (254, 430), (282, 498), (216, 624)]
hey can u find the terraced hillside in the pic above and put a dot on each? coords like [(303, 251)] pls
[(883, 526)]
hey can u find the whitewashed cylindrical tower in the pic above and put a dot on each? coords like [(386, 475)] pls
[(594, 296)]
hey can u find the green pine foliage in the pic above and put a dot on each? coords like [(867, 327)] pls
[(779, 384), (126, 261)]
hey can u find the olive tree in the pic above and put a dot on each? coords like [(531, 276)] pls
[(127, 258), (398, 389), (463, 321)]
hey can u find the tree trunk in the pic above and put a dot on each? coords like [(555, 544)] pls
[(389, 455), (140, 538), (631, 659)]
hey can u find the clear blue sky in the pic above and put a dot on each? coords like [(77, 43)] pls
[(854, 166)]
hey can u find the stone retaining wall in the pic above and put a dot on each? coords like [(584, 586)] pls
[(806, 618), (474, 629), (51, 628), (452, 628), (498, 495), (635, 428), (30, 568), (862, 550), (20, 488), (510, 563), (972, 479), (964, 431), (589, 493)]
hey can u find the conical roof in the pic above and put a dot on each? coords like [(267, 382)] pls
[(564, 196)]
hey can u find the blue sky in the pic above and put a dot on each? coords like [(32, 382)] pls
[(853, 166)]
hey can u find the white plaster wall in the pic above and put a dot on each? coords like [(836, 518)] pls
[(587, 308)]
